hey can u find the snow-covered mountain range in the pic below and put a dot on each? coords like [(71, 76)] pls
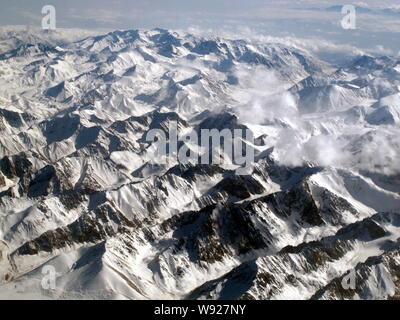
[(81, 190)]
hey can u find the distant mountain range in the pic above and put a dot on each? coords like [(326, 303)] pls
[(361, 9)]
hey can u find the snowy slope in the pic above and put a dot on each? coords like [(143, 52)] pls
[(82, 190)]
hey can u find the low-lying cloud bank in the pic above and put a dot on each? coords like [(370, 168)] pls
[(324, 139)]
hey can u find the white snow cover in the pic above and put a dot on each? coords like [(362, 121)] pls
[(82, 191)]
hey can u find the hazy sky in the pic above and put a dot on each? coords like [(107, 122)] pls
[(283, 18)]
